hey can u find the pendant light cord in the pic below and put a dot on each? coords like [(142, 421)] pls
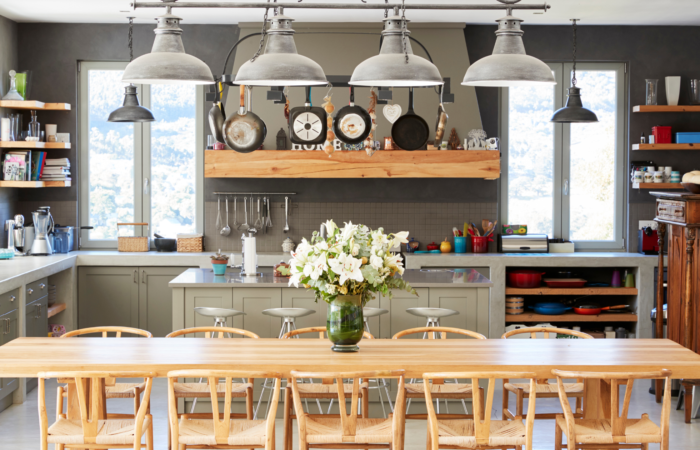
[(263, 33), (131, 33), (573, 78), (403, 29)]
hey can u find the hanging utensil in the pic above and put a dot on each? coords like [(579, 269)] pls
[(245, 226), (218, 214), (441, 121), (286, 215), (269, 220), (217, 116), (258, 221), (235, 214), (244, 131), (410, 131), (352, 124), (307, 124), (225, 231)]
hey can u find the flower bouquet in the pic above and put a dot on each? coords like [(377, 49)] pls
[(345, 270)]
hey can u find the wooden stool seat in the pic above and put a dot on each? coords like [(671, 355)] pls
[(330, 431), (317, 390), (462, 433), (124, 390), (201, 390), (546, 390), (599, 431), (241, 432), (453, 390), (109, 432)]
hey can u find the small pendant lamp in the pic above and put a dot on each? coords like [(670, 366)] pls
[(131, 111), (574, 112)]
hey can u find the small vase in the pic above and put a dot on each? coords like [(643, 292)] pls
[(219, 266), (673, 90), (344, 323)]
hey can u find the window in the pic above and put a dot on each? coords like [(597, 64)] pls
[(567, 180), (138, 172)]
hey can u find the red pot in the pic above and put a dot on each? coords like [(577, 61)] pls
[(433, 246), (525, 278)]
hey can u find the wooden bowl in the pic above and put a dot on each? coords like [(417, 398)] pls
[(691, 187)]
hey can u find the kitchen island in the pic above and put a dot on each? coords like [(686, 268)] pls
[(464, 290)]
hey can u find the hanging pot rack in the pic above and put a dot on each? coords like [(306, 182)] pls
[(505, 5)]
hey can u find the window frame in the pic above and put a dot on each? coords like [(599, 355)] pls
[(560, 207), (142, 158)]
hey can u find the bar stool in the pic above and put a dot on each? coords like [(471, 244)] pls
[(288, 316), (219, 314), (379, 383), (432, 314)]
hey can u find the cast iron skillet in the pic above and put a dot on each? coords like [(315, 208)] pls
[(217, 116), (352, 124), (410, 131), (244, 131)]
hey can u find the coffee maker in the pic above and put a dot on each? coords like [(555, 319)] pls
[(43, 225), (15, 234)]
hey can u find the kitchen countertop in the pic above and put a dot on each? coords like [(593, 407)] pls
[(463, 278), (582, 259)]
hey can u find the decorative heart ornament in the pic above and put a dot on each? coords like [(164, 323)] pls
[(392, 112)]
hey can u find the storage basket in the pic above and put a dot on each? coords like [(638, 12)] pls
[(132, 243), (190, 245)]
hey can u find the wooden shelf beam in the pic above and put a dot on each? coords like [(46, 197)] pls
[(572, 291), (55, 309), (34, 104), (666, 108), (34, 184), (570, 317), (346, 164), (657, 186), (34, 145), (665, 146)]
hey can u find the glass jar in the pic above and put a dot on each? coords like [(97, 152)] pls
[(345, 324), (651, 90)]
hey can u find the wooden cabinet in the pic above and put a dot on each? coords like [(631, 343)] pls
[(136, 297)]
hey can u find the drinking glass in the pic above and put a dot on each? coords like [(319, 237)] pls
[(652, 85)]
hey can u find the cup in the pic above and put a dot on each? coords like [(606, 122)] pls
[(651, 90), (658, 177), (638, 176), (648, 177), (629, 280), (675, 177), (673, 90), (651, 169), (667, 174), (460, 244), (443, 145), (695, 92), (51, 132), (616, 279)]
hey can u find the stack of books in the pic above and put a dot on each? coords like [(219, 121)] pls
[(56, 170), (24, 165)]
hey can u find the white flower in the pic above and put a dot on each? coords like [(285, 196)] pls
[(377, 262), (399, 238), (331, 288), (330, 227), (347, 267), (347, 231), (355, 249), (393, 262)]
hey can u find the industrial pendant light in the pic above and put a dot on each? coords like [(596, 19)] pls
[(396, 65), (167, 63), (280, 65), (131, 111), (574, 112), (509, 65)]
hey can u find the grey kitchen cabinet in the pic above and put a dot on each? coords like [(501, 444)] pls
[(253, 301), (304, 298), (472, 304), (126, 296), (36, 325), (9, 330), (211, 297), (398, 319)]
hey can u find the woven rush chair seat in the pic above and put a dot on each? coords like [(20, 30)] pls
[(416, 390), (599, 431), (543, 389), (241, 432), (330, 431), (112, 431), (462, 433), (201, 390), (123, 390), (318, 390)]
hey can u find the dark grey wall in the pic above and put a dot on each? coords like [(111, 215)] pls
[(8, 61), (52, 51)]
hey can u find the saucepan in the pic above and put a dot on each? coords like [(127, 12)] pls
[(525, 278)]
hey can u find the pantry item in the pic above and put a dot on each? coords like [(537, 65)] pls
[(695, 92), (673, 90), (651, 91), (662, 135), (244, 131), (638, 176), (518, 243), (648, 177), (616, 279), (675, 176), (514, 229), (515, 305), (692, 137), (445, 246), (564, 282), (288, 245), (667, 174), (524, 278), (410, 131), (352, 124), (432, 246), (658, 177), (282, 270)]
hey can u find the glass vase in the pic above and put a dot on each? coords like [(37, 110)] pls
[(345, 324), (651, 91)]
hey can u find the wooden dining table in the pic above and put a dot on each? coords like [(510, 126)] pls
[(26, 357)]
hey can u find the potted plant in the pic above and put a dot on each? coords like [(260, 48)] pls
[(219, 262), (345, 270)]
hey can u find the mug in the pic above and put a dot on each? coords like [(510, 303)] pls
[(638, 176), (51, 132), (667, 174), (651, 169), (658, 177), (648, 177)]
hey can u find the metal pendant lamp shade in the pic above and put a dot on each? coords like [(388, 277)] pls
[(131, 111), (509, 65), (392, 67), (280, 64), (167, 63), (574, 112)]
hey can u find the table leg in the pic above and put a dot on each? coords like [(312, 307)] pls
[(591, 399), (689, 271), (660, 300)]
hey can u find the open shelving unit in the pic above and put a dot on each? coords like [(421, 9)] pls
[(572, 291), (570, 317), (665, 108), (485, 164), (657, 186), (35, 145), (34, 184), (34, 104), (55, 309), (665, 146)]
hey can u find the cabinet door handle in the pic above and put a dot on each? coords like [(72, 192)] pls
[(7, 326), (30, 291), (143, 276), (12, 298), (42, 285), (136, 274)]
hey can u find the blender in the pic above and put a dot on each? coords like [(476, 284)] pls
[(43, 225)]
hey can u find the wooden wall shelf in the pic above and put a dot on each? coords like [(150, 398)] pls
[(33, 145), (665, 146), (34, 184), (55, 309), (346, 164), (570, 317), (572, 291), (34, 104), (666, 108), (657, 186)]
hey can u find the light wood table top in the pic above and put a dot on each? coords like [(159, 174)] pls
[(25, 357)]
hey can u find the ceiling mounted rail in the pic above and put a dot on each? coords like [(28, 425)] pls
[(296, 5)]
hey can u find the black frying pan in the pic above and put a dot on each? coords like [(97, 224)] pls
[(352, 124), (410, 131)]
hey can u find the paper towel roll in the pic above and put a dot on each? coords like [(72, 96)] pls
[(250, 257)]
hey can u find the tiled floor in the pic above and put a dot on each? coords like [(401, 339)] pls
[(19, 424)]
